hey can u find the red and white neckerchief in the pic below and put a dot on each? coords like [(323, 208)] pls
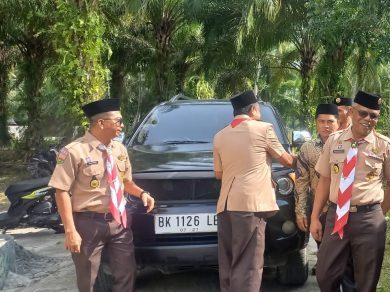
[(345, 189), (118, 201), (238, 121)]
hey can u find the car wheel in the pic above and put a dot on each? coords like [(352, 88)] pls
[(103, 281), (296, 270)]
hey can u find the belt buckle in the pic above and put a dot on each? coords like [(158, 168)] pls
[(107, 217), (353, 209)]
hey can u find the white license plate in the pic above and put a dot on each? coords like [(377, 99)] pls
[(188, 223)]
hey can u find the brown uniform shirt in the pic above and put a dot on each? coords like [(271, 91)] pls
[(373, 164), (306, 177), (81, 172), (243, 154)]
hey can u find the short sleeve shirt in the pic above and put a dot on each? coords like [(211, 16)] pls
[(372, 166), (80, 170), (244, 155)]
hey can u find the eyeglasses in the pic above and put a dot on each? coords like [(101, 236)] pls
[(117, 122), (364, 114)]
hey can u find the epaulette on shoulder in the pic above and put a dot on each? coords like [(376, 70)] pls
[(74, 143), (383, 137)]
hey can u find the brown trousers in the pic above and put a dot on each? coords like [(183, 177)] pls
[(99, 233), (364, 240), (240, 251)]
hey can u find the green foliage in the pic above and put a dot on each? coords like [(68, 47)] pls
[(294, 53), (78, 41)]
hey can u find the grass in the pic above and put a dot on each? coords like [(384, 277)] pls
[(384, 282)]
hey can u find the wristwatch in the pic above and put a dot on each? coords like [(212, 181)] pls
[(143, 192)]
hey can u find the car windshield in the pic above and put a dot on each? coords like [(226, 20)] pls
[(191, 123)]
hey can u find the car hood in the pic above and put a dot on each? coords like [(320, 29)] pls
[(175, 157)]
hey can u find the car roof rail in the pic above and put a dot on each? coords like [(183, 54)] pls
[(180, 96)]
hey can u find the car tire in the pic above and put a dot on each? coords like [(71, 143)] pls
[(103, 281), (296, 270)]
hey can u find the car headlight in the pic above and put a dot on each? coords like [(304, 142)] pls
[(285, 185)]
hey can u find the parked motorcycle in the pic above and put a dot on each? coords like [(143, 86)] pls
[(32, 205), (43, 163)]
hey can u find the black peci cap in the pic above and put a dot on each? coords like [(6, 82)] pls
[(368, 100), (243, 99), (327, 109), (341, 100), (101, 106)]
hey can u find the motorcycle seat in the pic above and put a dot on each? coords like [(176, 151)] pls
[(18, 189)]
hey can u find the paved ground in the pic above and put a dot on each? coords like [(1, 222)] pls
[(45, 266)]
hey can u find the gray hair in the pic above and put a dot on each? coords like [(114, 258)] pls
[(243, 110)]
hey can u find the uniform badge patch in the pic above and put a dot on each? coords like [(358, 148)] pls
[(122, 157), (62, 155), (371, 175), (94, 183), (336, 168)]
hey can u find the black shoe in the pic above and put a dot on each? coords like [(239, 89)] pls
[(313, 270)]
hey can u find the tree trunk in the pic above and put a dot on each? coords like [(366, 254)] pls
[(33, 75), (117, 82), (4, 135)]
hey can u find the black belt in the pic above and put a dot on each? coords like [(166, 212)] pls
[(95, 215), (358, 208)]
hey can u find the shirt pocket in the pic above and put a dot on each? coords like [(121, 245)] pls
[(93, 170), (121, 165), (373, 168)]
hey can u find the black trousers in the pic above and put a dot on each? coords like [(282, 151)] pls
[(99, 233), (240, 251)]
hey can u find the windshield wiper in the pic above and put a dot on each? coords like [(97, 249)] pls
[(184, 142)]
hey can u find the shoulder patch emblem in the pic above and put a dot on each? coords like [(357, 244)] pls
[(122, 157), (62, 155)]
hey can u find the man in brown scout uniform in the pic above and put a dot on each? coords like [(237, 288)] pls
[(243, 153), (307, 178), (89, 178), (343, 105), (352, 166)]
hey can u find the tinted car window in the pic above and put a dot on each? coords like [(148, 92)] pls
[(191, 123)]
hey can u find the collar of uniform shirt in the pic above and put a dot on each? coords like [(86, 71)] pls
[(318, 140), (370, 138), (239, 119), (95, 143)]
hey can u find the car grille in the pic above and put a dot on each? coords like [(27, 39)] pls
[(181, 189)]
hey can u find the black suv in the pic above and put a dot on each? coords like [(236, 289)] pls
[(171, 156)]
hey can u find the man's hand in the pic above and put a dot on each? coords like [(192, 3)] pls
[(316, 229), (302, 223), (72, 241), (148, 201)]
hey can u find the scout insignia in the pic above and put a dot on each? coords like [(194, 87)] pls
[(375, 150), (338, 100), (339, 146), (94, 183), (354, 144), (371, 175), (122, 157), (62, 155), (336, 168)]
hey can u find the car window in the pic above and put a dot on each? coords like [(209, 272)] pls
[(191, 123)]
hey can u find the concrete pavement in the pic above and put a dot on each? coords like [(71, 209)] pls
[(43, 265)]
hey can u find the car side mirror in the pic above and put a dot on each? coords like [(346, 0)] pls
[(300, 137)]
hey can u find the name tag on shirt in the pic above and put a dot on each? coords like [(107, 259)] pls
[(338, 151), (375, 157), (92, 162)]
